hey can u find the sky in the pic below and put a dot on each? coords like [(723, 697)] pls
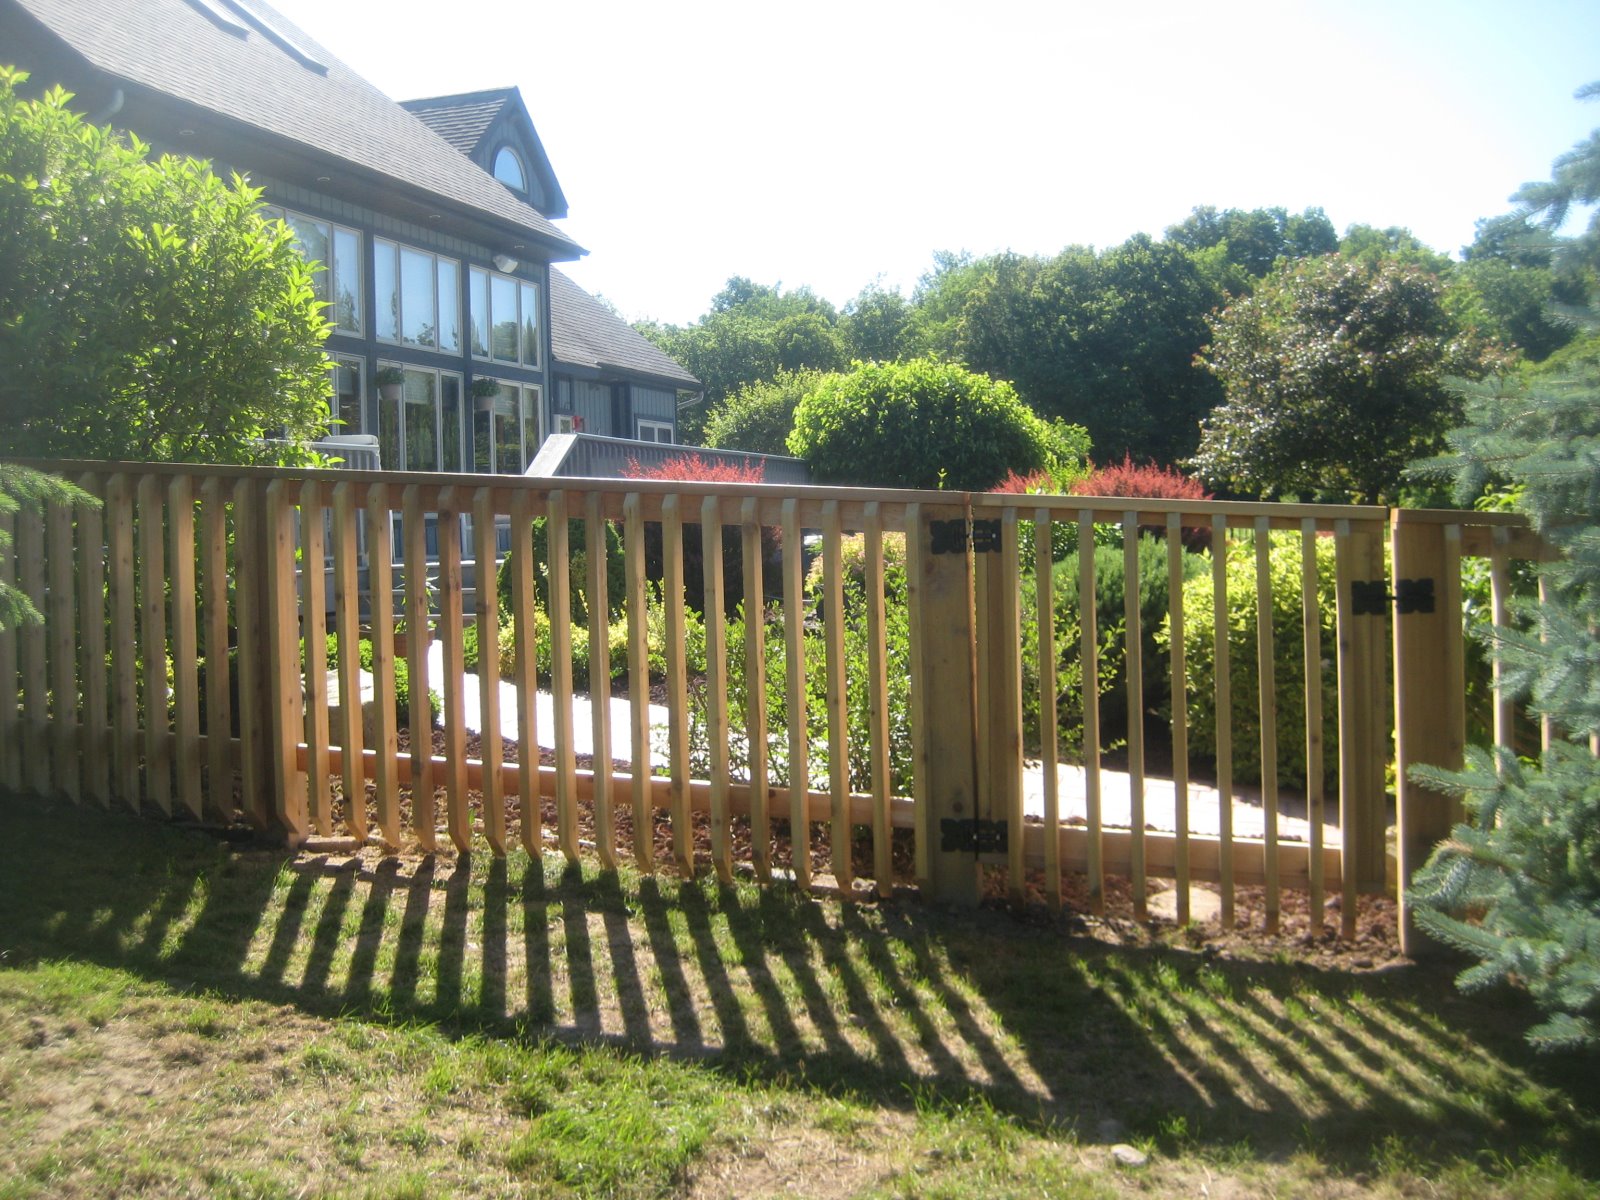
[(836, 143)]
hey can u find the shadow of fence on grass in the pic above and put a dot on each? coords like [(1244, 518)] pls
[(879, 1000)]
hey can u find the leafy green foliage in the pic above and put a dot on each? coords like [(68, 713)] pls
[(924, 424), (146, 310), (1238, 246), (759, 416), (1334, 376), (19, 486), (1575, 180), (577, 569)]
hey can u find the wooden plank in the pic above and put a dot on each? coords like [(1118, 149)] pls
[(1223, 699), (424, 818), (755, 688), (943, 636), (716, 686), (218, 676), (347, 627), (10, 712), (92, 649), (288, 700), (677, 684), (1008, 742), (524, 604), (1351, 724), (1505, 706), (1049, 747), (878, 703), (185, 644), (458, 813), (385, 731), (1311, 637), (314, 632), (833, 621), (251, 606), (638, 682), (34, 640), (1266, 670), (153, 643), (1372, 854), (559, 574), (916, 569), (795, 677), (65, 752), (1177, 669), (1134, 648), (1426, 729), (600, 674), (1089, 656), (487, 617)]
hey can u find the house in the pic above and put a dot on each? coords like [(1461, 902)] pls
[(433, 222)]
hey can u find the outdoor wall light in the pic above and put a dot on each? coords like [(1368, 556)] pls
[(505, 263)]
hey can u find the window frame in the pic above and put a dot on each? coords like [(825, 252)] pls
[(402, 437), (397, 250), (331, 269), (640, 424), (530, 339)]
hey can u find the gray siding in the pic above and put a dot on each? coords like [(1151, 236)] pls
[(592, 402), (655, 404)]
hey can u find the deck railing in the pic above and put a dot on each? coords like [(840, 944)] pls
[(125, 694)]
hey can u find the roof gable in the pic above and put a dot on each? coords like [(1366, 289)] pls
[(275, 81), (479, 124)]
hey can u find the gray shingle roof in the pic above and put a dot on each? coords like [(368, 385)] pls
[(460, 120), (170, 47), (584, 333)]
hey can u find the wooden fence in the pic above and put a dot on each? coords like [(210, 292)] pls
[(908, 717)]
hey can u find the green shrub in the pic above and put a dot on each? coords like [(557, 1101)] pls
[(760, 415), (577, 567), (1284, 566)]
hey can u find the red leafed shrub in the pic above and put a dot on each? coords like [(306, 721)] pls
[(692, 468), (1129, 478), (1035, 483)]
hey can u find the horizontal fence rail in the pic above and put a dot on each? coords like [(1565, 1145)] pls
[(926, 686)]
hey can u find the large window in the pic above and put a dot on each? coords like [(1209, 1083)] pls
[(506, 324), (655, 431), (347, 393), (419, 421), (337, 253), (505, 429), (418, 297)]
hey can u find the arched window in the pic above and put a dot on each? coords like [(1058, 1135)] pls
[(508, 169)]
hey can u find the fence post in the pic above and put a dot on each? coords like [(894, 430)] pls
[(941, 617), (1428, 687)]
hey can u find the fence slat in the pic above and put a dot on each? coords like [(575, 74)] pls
[(487, 618), (1311, 631), (254, 640), (755, 688), (34, 640), (385, 721), (1134, 649), (92, 646), (218, 674), (1180, 713), (833, 623), (458, 814), (288, 700), (10, 713), (1089, 656), (524, 602), (1266, 667), (347, 627), (795, 666), (1223, 699), (716, 686), (153, 643), (916, 596), (314, 631), (595, 529), (638, 681), (1049, 748), (1351, 724), (185, 644), (560, 581), (1009, 745), (1505, 707), (66, 753), (677, 683), (878, 702), (418, 631)]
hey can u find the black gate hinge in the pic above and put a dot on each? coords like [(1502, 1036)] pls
[(1368, 598), (973, 834), (951, 537)]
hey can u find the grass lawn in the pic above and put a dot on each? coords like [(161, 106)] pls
[(182, 1015)]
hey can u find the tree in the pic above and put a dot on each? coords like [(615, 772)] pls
[(759, 416), (925, 423), (1510, 288), (1333, 374), (877, 325), (1574, 180), (1252, 240), (146, 310)]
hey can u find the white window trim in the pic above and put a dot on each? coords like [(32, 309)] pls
[(643, 423)]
